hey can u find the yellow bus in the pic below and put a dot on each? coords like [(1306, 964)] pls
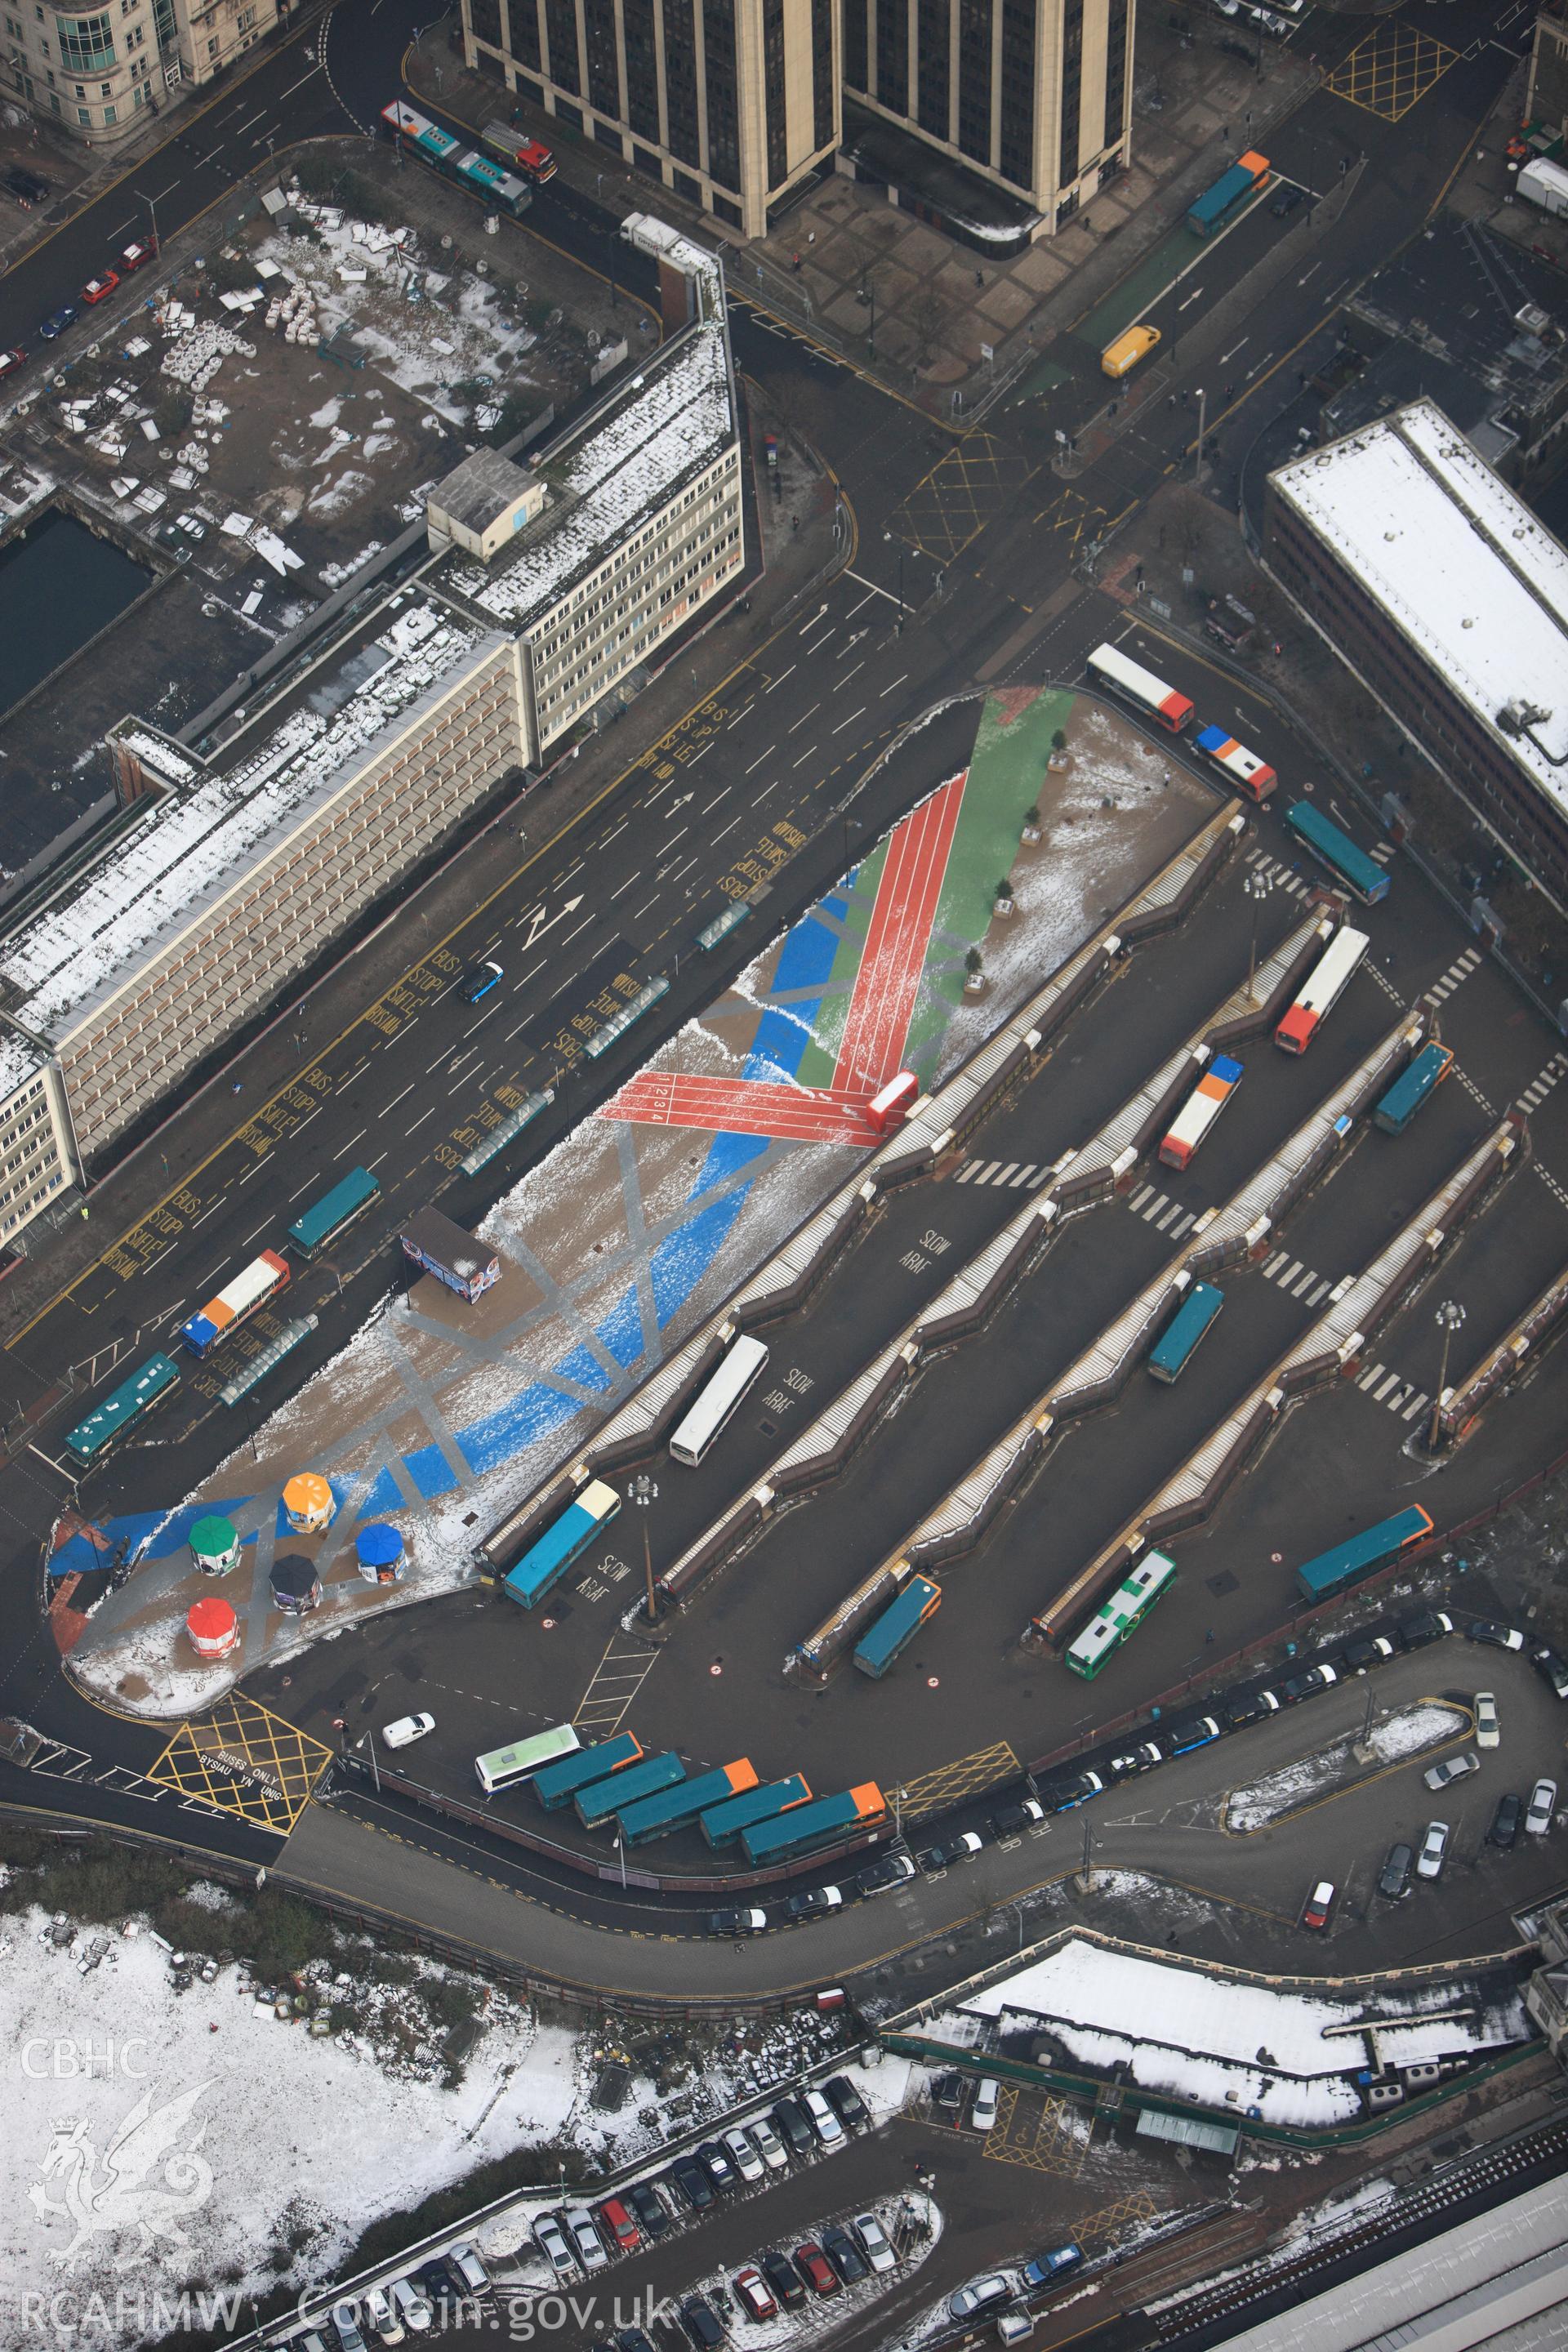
[(1121, 357)]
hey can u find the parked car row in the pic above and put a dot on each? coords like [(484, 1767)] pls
[(837, 2257), (403, 2308), (1000, 2295), (97, 288)]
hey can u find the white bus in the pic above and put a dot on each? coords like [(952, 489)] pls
[(1139, 685), (500, 1768), (700, 1423), (1321, 990)]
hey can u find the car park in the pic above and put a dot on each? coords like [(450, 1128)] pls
[(1308, 1684), (743, 2156), (766, 2142), (1014, 1820), (618, 2226), (816, 2269), (1452, 1768), (1249, 1707), (1487, 1631), (815, 1904), (701, 2323), (957, 1849), (983, 2114), (754, 2295), (790, 2123), (98, 289), (412, 2306), (477, 983), (874, 2244), (1434, 1851), (1319, 1907), (1286, 202), (720, 2171), (1056, 2262), (1551, 1668), (982, 2295), (468, 2272), (404, 1729), (58, 321), (10, 361), (1505, 1822), (1371, 1650), (136, 257), (1542, 1805), (1394, 1878), (1487, 1730), (749, 1922), (846, 2102), (346, 2327), (823, 2121), (694, 2183), (1139, 1758), (881, 1877), (783, 2278), (1427, 1625), (550, 2240)]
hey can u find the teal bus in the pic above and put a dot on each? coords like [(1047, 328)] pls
[(1178, 1342), (1122, 1615), (1347, 1563), (106, 1423), (646, 1778), (1338, 852), (1410, 1090), (348, 1199), (558, 1784)]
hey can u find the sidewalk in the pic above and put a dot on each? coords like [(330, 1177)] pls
[(199, 1125)]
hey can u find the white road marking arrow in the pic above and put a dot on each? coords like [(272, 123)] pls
[(538, 926)]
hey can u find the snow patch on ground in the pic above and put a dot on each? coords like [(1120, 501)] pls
[(1409, 1733)]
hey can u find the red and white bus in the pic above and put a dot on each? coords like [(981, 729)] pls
[(1141, 687), (1247, 772), (1321, 990), (1200, 1110), (889, 1108), (261, 1280)]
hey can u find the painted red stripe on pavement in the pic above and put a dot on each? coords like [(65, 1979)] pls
[(876, 1024)]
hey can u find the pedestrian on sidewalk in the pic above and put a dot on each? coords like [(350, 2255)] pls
[(795, 261)]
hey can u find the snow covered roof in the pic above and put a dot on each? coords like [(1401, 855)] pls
[(195, 843), (19, 1062), (620, 465), (1459, 564)]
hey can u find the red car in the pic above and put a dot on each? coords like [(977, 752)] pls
[(755, 2294), (816, 2269), (618, 2226), (137, 255), (98, 289), (1319, 1907), (11, 361)]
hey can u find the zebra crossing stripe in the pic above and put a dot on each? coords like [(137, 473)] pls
[(1318, 1294), (966, 1172), (1275, 1263), (1289, 1277), (1367, 1377), (1006, 1172), (1038, 1179), (1165, 1220), (1023, 1176), (1143, 1194), (1299, 1288), (1178, 1229), (1417, 1404)]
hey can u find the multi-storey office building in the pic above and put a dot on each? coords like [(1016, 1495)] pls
[(729, 102), (96, 74), (1448, 599), (246, 865)]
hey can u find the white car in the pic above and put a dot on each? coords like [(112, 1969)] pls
[(983, 2114), (1542, 1805), (824, 2122), (412, 2307), (768, 2144), (406, 1729), (874, 2238), (381, 2316), (1434, 1851), (1486, 1732), (744, 2156), (552, 2244), (586, 2243)]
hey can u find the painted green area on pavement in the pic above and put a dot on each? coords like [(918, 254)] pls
[(820, 1058), (1139, 290), (1044, 378)]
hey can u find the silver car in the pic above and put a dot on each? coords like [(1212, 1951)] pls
[(874, 2238), (552, 2245), (1434, 1851), (586, 2243), (1542, 1806), (1452, 1768)]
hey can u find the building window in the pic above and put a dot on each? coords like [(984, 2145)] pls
[(932, 59), (86, 42), (1017, 156), (893, 55), (212, 46), (680, 89), (855, 43), (822, 113), (975, 79), (642, 71), (1072, 71), (561, 25), (1115, 72), (84, 114), (604, 64)]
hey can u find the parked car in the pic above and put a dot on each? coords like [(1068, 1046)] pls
[(1139, 1758), (783, 2278), (846, 2102), (1062, 1796), (744, 2156), (1495, 1636), (30, 188), (874, 2244), (345, 2326), (1371, 1650), (881, 1877), (694, 2183), (412, 2306), (1394, 1879), (11, 361), (1319, 1907), (404, 1729), (467, 2271), (957, 1849), (550, 2240), (1014, 1820), (1505, 1822), (1308, 1684), (816, 2269), (379, 2313), (766, 2142), (701, 2323), (1542, 1805), (822, 2119), (980, 2295), (749, 1922), (1056, 2262), (723, 2173), (618, 2226), (55, 325), (1286, 202), (947, 2090), (983, 2114), (754, 2295), (1192, 1731), (99, 288), (652, 2212), (1488, 1733), (1553, 1669), (815, 1904), (1427, 1626), (633, 2339), (136, 257), (844, 2254), (789, 2121), (1434, 1851), (1277, 25), (1249, 1707), (1452, 1768)]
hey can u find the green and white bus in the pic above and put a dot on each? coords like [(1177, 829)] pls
[(502, 1768), (1122, 1615)]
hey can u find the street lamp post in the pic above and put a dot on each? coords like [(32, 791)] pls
[(1202, 418), (1256, 887), (1449, 1317)]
